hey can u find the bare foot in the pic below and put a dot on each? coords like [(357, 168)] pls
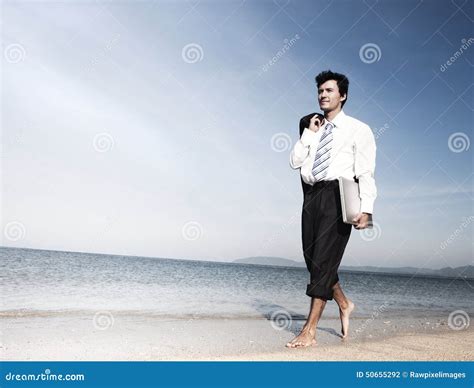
[(344, 314), (304, 339)]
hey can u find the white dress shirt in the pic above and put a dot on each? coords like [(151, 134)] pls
[(353, 153)]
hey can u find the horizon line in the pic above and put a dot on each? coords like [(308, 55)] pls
[(223, 262)]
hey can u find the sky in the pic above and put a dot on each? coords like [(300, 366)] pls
[(164, 128)]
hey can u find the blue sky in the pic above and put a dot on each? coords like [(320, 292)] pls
[(164, 128)]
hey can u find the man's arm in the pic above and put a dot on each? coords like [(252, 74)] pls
[(300, 151), (365, 167)]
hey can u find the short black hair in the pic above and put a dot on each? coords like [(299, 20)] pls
[(341, 79)]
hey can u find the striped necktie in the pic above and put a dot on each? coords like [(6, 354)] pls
[(323, 154)]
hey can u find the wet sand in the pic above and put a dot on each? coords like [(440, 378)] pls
[(126, 337)]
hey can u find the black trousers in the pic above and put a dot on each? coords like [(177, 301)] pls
[(325, 237)]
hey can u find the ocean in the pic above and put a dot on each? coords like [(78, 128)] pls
[(43, 283)]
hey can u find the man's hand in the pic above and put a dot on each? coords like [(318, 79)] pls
[(316, 122), (362, 220)]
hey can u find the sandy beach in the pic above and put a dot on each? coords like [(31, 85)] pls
[(139, 337)]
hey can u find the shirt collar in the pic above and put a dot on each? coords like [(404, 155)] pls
[(339, 119)]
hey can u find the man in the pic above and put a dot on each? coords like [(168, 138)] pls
[(330, 146)]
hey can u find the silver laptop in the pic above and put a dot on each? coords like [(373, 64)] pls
[(350, 199)]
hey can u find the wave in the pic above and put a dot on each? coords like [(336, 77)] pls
[(153, 314), (34, 313)]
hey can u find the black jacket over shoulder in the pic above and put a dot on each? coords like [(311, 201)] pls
[(304, 123)]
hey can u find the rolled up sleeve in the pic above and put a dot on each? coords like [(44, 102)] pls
[(364, 168), (300, 151)]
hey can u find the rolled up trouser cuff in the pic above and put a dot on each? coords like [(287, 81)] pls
[(316, 291)]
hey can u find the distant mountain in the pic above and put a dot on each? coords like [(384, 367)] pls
[(262, 260), (466, 271)]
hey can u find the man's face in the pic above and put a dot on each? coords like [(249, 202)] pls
[(329, 97)]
